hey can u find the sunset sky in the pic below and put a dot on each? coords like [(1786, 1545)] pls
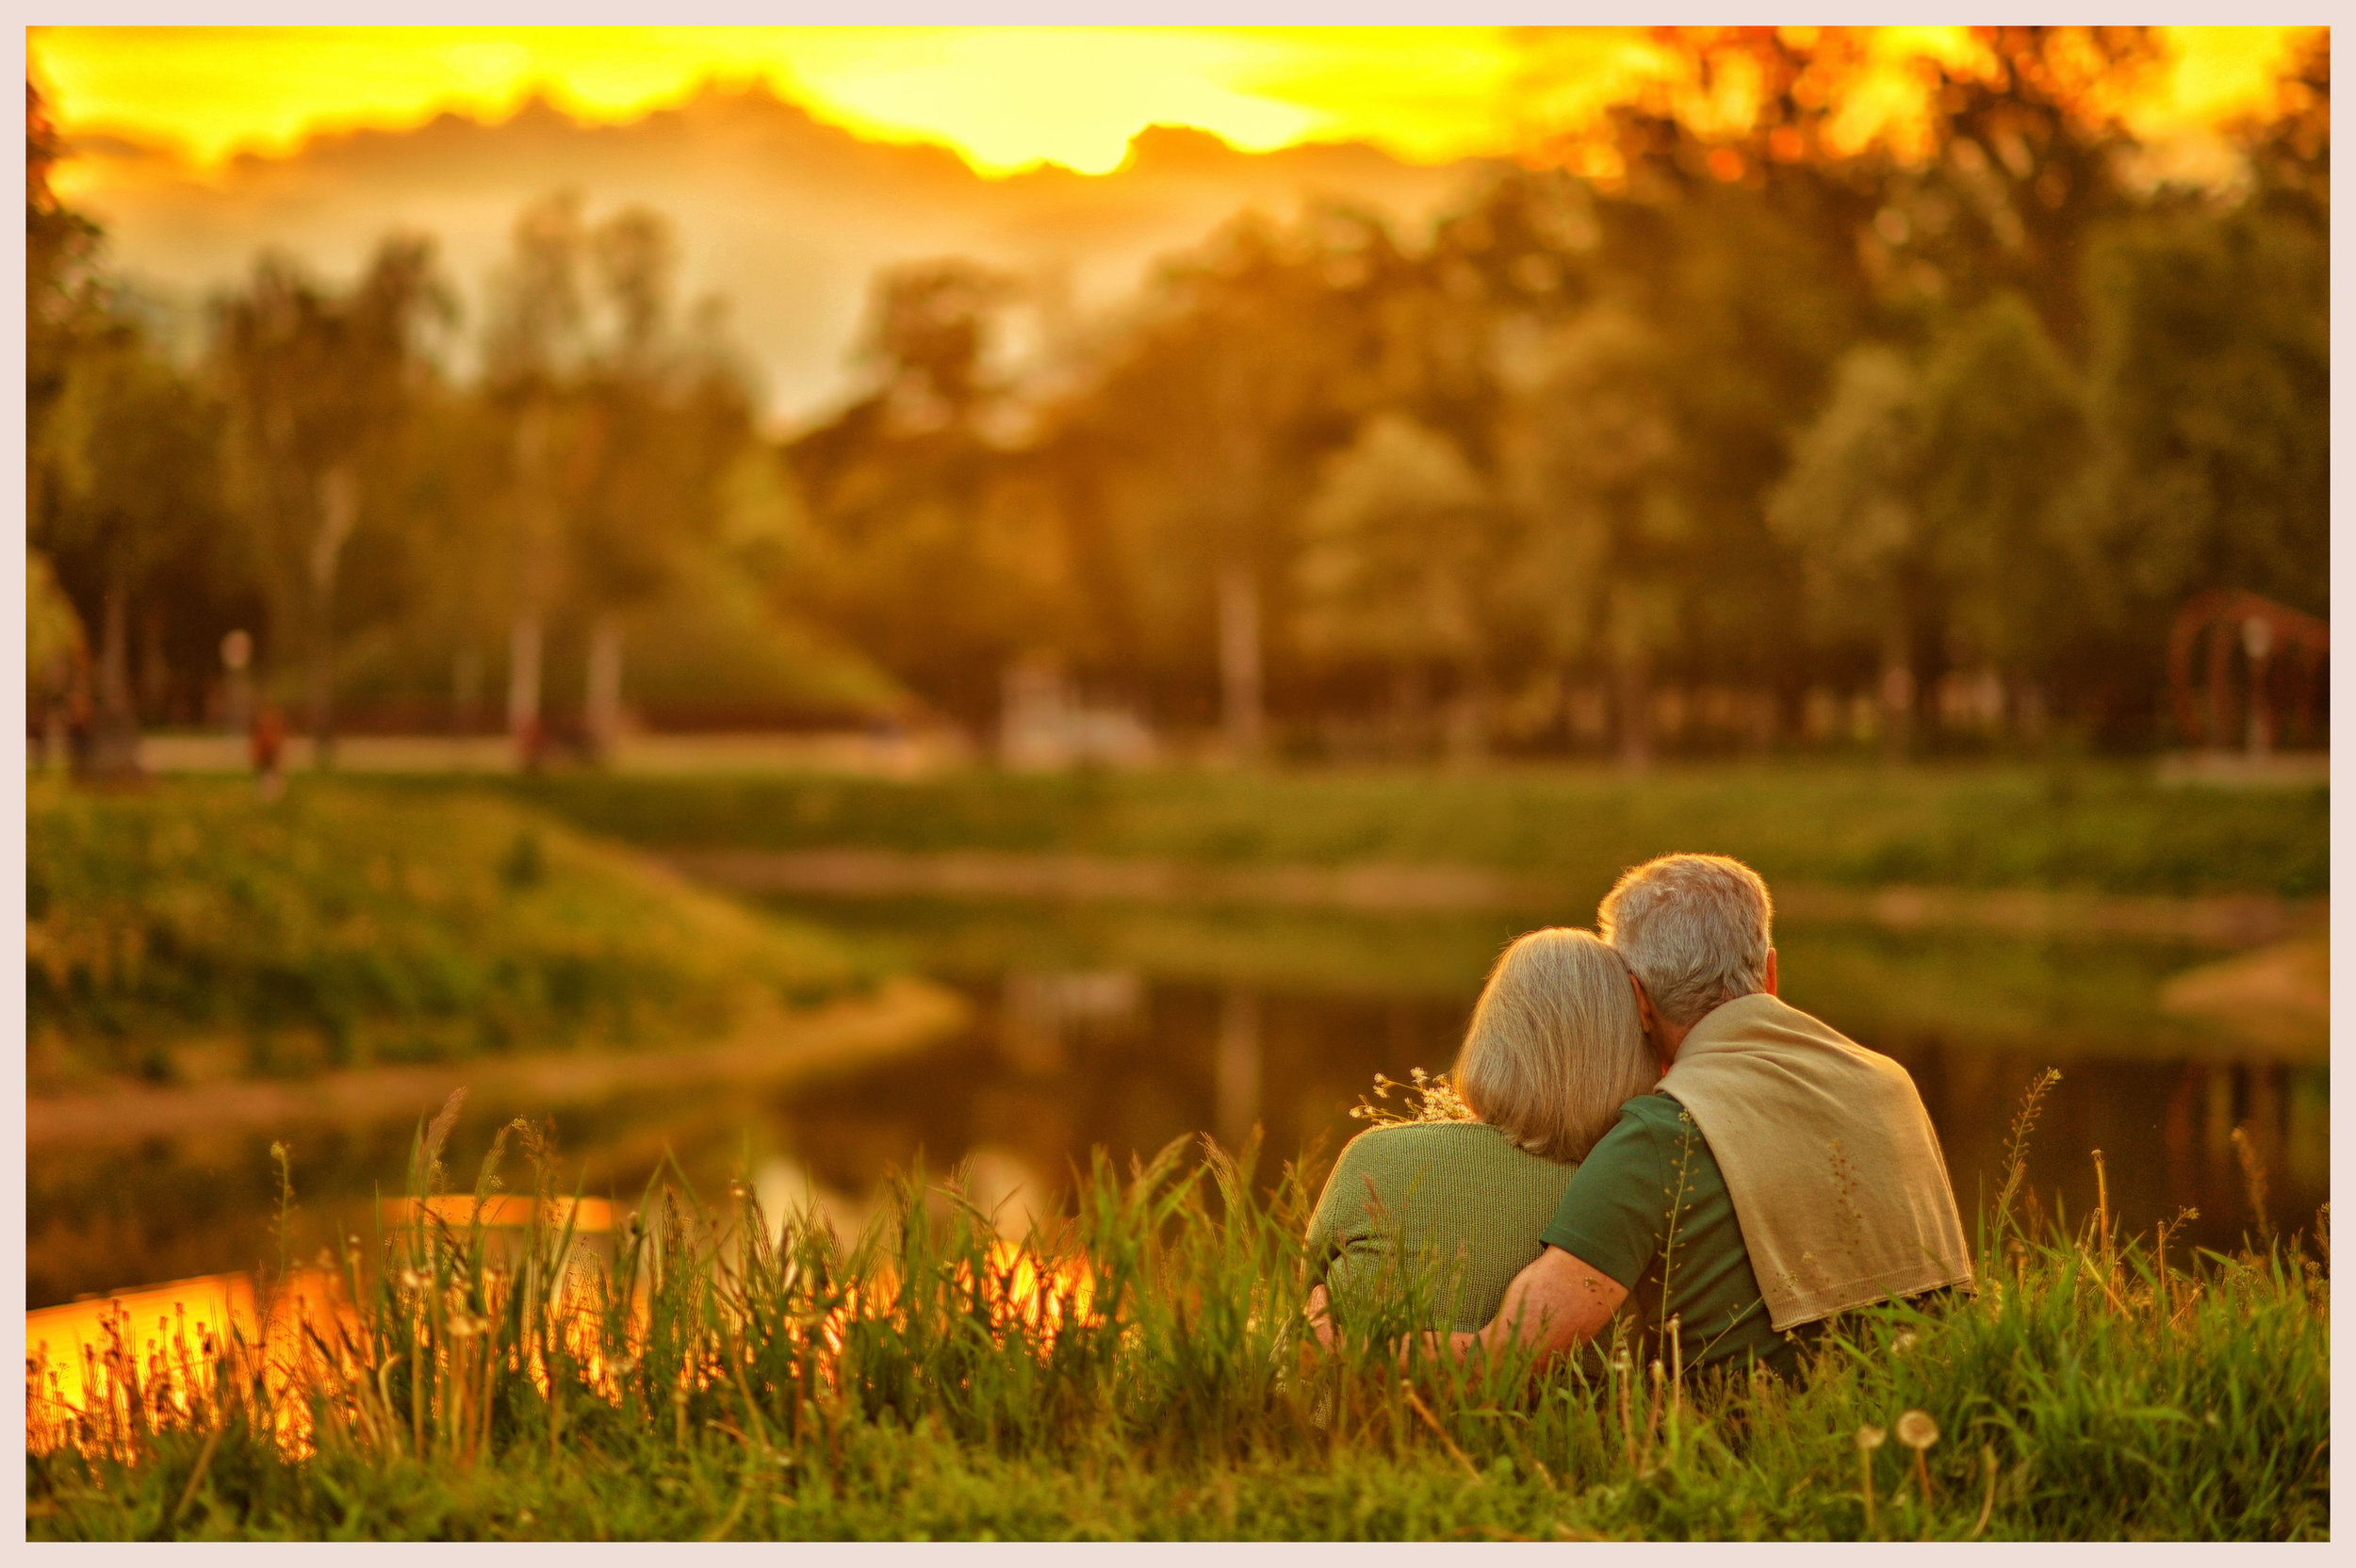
[(1003, 98)]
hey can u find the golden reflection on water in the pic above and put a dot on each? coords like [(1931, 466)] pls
[(587, 1216), (87, 1363), (98, 1375)]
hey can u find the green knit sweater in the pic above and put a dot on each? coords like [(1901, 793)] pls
[(1466, 1202)]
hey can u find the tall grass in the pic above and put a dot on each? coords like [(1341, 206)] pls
[(1136, 1370)]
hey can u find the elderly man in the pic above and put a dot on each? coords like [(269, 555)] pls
[(1779, 1174)]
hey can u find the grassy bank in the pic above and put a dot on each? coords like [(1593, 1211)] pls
[(192, 928), (2104, 829), (925, 1383)]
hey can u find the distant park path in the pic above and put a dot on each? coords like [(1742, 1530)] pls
[(903, 1015), (2234, 920)]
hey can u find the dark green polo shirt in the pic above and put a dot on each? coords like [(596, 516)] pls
[(1649, 1208)]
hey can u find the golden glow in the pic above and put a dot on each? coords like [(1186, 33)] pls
[(587, 1216), (82, 1360), (1005, 99)]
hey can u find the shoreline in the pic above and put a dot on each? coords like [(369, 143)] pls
[(904, 1015), (2233, 921)]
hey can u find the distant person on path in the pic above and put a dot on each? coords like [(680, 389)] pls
[(1779, 1173), (269, 742), (1435, 1217)]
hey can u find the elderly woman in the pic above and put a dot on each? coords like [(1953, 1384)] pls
[(1434, 1218)]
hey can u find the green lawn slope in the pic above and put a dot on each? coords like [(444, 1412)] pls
[(2106, 829), (191, 927)]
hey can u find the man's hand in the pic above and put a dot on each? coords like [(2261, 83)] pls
[(1555, 1304), (1320, 1321)]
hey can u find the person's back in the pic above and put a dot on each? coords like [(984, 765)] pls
[(1779, 1175), (1652, 1211), (1442, 1214), (1434, 1218)]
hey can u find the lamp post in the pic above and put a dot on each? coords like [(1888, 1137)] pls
[(2257, 641), (237, 653)]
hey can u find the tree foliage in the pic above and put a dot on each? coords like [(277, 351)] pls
[(1737, 403)]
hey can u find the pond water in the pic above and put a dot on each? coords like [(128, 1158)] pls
[(1125, 1028)]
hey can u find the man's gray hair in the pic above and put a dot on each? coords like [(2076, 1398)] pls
[(1693, 928)]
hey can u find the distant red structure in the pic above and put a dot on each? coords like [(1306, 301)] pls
[(2284, 653)]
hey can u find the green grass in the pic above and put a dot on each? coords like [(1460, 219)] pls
[(2099, 827), (897, 1388), (340, 925)]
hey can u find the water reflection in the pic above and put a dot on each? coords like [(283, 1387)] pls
[(1088, 1030)]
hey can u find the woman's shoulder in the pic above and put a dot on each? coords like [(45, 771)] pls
[(1403, 1141)]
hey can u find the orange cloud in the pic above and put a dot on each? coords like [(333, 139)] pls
[(1005, 98)]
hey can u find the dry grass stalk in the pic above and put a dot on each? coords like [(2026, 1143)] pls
[(1867, 1439), (1416, 1403), (2253, 1179)]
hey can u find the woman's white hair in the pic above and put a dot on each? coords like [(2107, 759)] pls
[(1693, 928), (1555, 1048)]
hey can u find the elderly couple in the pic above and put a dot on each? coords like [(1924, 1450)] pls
[(1657, 1139)]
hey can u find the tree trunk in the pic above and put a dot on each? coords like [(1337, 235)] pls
[(1897, 698), (339, 509), (1466, 728), (2257, 639), (1631, 676), (523, 688), (1239, 661), (466, 689), (321, 695), (237, 701), (155, 670), (605, 684), (1410, 712), (534, 547), (115, 735)]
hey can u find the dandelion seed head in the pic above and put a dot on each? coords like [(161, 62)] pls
[(1871, 1437), (1916, 1430)]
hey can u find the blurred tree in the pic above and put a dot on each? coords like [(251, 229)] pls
[(54, 648), (2211, 399), (2288, 145), (2031, 158), (1927, 503), (663, 422), (534, 341), (1251, 358), (1745, 392), (2005, 439), (64, 310), (129, 450), (929, 545), (1591, 455), (1849, 508), (317, 387), (1398, 551), (930, 334), (62, 300)]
